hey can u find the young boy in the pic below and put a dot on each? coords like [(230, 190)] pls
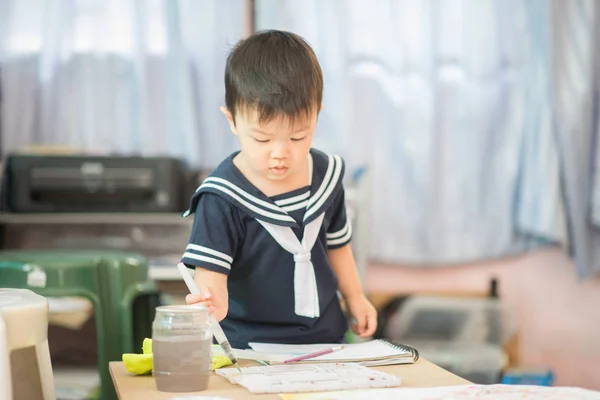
[(270, 242)]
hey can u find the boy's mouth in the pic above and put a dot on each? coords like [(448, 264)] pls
[(279, 170)]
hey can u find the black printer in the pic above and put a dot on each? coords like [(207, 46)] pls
[(59, 183)]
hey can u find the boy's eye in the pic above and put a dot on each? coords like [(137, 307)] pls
[(261, 141), (298, 139)]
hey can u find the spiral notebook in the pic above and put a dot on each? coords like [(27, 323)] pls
[(373, 353)]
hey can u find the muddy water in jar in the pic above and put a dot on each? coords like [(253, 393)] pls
[(183, 364), (181, 347)]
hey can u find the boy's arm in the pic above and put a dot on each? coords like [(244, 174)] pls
[(343, 264), (214, 238), (213, 286)]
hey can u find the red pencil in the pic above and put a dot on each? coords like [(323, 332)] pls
[(313, 355)]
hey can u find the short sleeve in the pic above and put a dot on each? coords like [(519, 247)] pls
[(339, 231), (215, 235)]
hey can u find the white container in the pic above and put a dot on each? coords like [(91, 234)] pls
[(463, 335), (25, 367), (446, 320)]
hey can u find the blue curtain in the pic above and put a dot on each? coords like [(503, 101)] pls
[(123, 76)]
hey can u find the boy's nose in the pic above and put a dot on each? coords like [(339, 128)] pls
[(280, 151)]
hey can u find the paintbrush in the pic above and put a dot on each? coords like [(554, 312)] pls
[(216, 329)]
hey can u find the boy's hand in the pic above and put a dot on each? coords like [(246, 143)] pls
[(213, 286), (364, 314), (204, 299)]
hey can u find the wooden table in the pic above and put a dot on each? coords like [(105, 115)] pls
[(130, 387)]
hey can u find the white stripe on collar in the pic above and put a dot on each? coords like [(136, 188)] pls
[(219, 183), (250, 206), (337, 168), (325, 182), (310, 168), (303, 196), (292, 200), (241, 191), (295, 207)]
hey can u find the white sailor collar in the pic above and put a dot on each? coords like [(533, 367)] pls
[(230, 184)]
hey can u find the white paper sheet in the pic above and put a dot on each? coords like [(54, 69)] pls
[(308, 378), (463, 392)]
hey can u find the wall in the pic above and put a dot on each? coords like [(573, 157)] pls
[(558, 317)]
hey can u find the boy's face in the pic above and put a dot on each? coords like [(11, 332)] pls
[(274, 150)]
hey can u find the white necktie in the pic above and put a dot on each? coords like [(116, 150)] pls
[(306, 296)]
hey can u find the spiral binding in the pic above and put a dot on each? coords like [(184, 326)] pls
[(398, 346)]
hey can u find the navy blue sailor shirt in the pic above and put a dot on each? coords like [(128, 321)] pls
[(227, 238)]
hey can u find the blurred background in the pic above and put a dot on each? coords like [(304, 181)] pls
[(469, 128)]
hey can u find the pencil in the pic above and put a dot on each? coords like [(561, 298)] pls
[(313, 355)]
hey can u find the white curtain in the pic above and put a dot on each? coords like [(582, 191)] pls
[(448, 102), (576, 37), (476, 119), (124, 76)]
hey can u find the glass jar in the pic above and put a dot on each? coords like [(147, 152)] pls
[(181, 348)]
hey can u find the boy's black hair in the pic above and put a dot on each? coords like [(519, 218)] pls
[(275, 73)]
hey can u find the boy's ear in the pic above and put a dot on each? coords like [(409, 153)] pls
[(229, 117)]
